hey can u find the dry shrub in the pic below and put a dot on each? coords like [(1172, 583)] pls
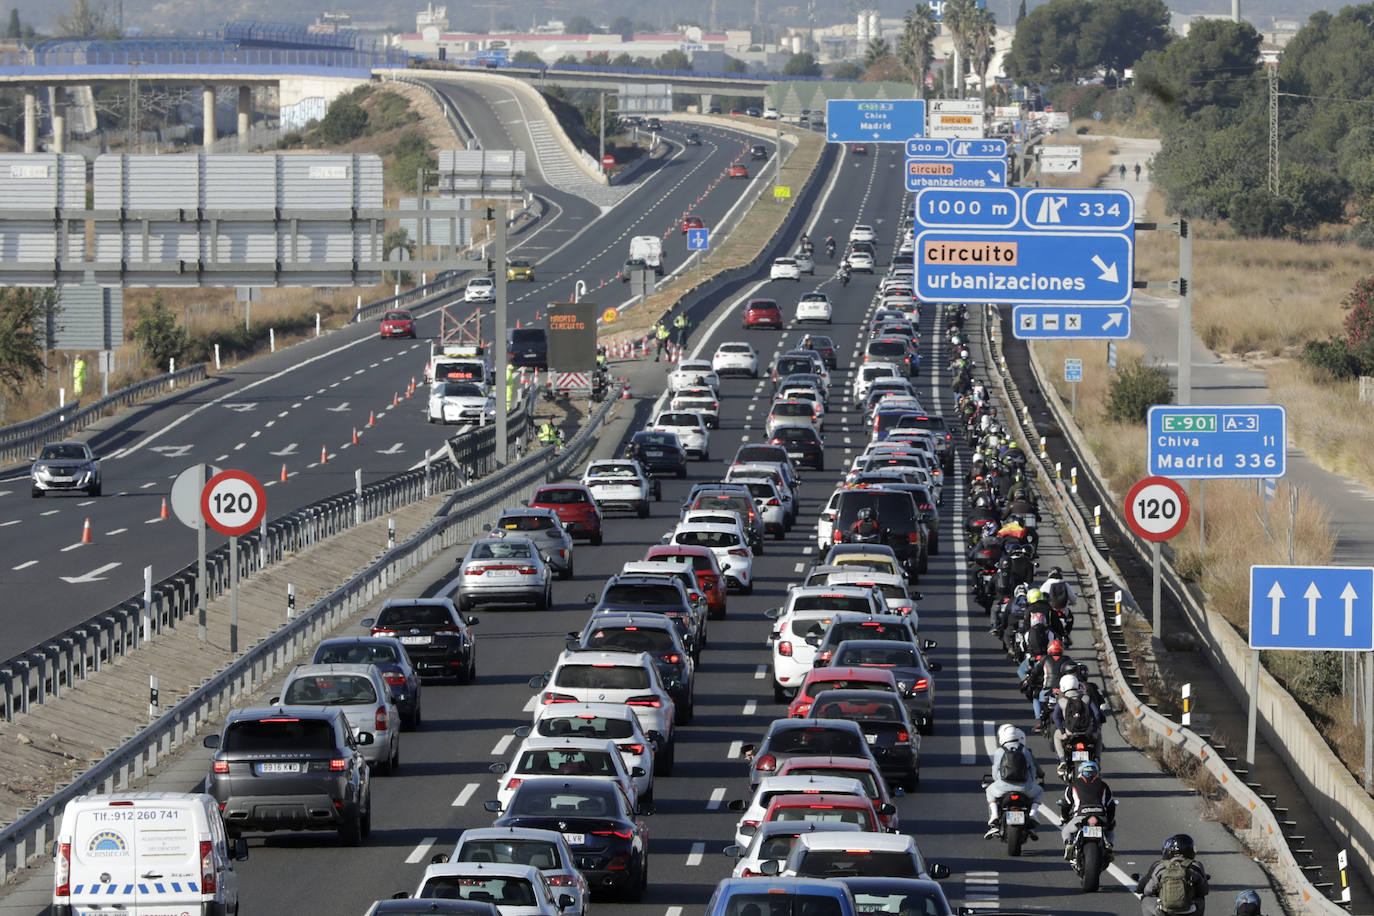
[(1325, 418)]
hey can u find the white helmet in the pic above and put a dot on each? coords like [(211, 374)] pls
[(1010, 734), (1068, 682)]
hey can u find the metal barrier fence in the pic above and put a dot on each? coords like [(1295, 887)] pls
[(20, 440), (33, 831)]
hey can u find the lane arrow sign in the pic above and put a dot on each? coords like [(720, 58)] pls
[(1312, 594), (95, 575), (1112, 321), (289, 450), (1348, 595), (340, 409), (390, 451), (1108, 273), (1275, 595)]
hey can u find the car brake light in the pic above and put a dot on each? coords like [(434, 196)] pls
[(921, 684), (671, 658), (526, 570), (768, 763), (785, 648), (338, 765), (394, 678), (903, 737), (802, 710), (738, 552), (646, 700), (551, 698), (220, 766), (62, 871), (562, 881), (381, 718), (836, 536), (623, 834), (914, 537), (382, 631), (774, 502), (631, 748), (826, 656), (514, 783), (208, 879)]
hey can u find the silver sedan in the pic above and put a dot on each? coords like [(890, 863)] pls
[(504, 570)]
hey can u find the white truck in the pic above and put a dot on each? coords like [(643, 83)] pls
[(649, 249)]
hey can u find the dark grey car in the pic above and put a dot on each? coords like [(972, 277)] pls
[(65, 466), (803, 738), (291, 768), (390, 657)]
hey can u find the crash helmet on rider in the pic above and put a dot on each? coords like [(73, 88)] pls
[(989, 529), (865, 515), (1089, 769), (1020, 590), (1008, 734), (1038, 619), (1056, 647), (1068, 682), (1035, 595), (1180, 844), (963, 354), (1247, 904), (1056, 573)]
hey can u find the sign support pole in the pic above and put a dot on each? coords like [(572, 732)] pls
[(1252, 688), (1154, 588), (1201, 515), (1368, 720), (234, 595), (202, 575), (499, 330), (1185, 313), (1073, 398)]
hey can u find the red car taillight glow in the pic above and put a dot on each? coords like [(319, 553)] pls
[(62, 871), (646, 700), (768, 763), (338, 765), (785, 648), (208, 880)]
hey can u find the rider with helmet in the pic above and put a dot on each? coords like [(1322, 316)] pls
[(865, 524), (1248, 904), (1047, 674), (1176, 882), (830, 246), (1013, 770), (1087, 794), (1075, 715)]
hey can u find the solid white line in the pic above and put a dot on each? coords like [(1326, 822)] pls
[(736, 748), (751, 707), (24, 565), (820, 204), (696, 855), (502, 745), (717, 799), (13, 521), (417, 855), (673, 911), (464, 795), (989, 738)]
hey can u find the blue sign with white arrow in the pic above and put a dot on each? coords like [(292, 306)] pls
[(1084, 208), (927, 148), (1198, 442), (1071, 322), (698, 239), (1031, 268), (955, 173), (1327, 608), (943, 148), (874, 120)]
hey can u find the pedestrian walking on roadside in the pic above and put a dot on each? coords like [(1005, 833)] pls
[(1137, 171), (1122, 168), (661, 335)]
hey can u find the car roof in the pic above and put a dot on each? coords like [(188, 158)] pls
[(880, 842), (604, 657), (278, 712), (494, 869), (362, 670), (844, 725), (848, 673), (838, 761), (644, 620), (542, 742), (845, 785)]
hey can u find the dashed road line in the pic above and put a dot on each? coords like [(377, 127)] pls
[(417, 855), (502, 745), (736, 748), (465, 796), (717, 799), (25, 565), (697, 853)]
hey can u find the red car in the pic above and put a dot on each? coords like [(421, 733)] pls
[(709, 576), (736, 171), (575, 508), (861, 768), (692, 222), (848, 678), (398, 323), (859, 149), (847, 809), (762, 313)]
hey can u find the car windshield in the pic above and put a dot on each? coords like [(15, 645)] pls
[(831, 602), (63, 453), (501, 891), (822, 863), (565, 761), (511, 851), (459, 390), (499, 549), (832, 815), (604, 677), (866, 630), (876, 709), (734, 348), (646, 595), (411, 615), (533, 800), (707, 538), (763, 304), (887, 348), (280, 734), (793, 409), (868, 373), (764, 453), (796, 433), (330, 690), (661, 440), (760, 489), (396, 316), (560, 496), (526, 522), (586, 726), (819, 741), (679, 419), (876, 656), (357, 653), (612, 470), (790, 364), (792, 904), (478, 282)]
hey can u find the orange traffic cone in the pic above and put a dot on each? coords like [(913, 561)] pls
[(625, 389), (372, 417), (324, 455), (355, 435), (396, 398), (86, 532), (163, 513), (283, 472)]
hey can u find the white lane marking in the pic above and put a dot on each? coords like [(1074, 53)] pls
[(696, 855), (673, 911), (417, 855), (295, 405), (13, 521), (1122, 878), (968, 747), (807, 550), (50, 512), (989, 738), (465, 795), (799, 567), (151, 483), (86, 503), (152, 521), (25, 565), (736, 748), (532, 703), (224, 457), (72, 546), (760, 672), (502, 745), (981, 890), (717, 799)]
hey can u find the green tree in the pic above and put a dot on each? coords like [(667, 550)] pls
[(622, 26), (803, 64), (877, 49), (917, 47), (601, 58), (527, 58), (86, 19), (959, 18), (1214, 66), (847, 71), (157, 331), (735, 65), (410, 154), (623, 59), (22, 311), (345, 120), (579, 25), (673, 60), (982, 32), (1021, 12), (1134, 389), (566, 60), (13, 30), (1118, 33), (1045, 47)]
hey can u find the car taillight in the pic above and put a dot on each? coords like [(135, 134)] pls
[(619, 862), (208, 877), (836, 535), (551, 698), (562, 880), (671, 658), (514, 783), (768, 763), (802, 710), (826, 656), (921, 684), (750, 873), (914, 537), (382, 631), (526, 570), (738, 552), (631, 748), (785, 648), (220, 766), (623, 834), (394, 678), (774, 502), (1015, 796), (903, 737), (448, 631), (338, 765), (381, 719), (62, 871), (751, 823), (646, 700)]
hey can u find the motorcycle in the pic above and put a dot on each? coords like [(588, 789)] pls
[(1091, 854), (1077, 748), (830, 249), (1014, 824), (1016, 567)]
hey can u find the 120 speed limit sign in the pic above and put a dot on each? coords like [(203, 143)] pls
[(233, 502), (1157, 508)]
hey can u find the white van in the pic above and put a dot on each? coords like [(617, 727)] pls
[(144, 853), (649, 249)]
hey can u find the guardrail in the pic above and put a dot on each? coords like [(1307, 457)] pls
[(19, 440), (32, 831), (1265, 832)]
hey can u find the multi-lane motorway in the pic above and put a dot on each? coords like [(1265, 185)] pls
[(444, 775), (286, 408)]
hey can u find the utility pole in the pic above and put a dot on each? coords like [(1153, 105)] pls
[(601, 126), (1273, 124), (134, 127)]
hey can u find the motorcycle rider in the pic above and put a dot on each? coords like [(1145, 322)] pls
[(1176, 882), (1036, 604), (1013, 770), (1061, 598), (1047, 673), (865, 524), (1075, 715), (1248, 904), (830, 246), (984, 554), (1087, 791)]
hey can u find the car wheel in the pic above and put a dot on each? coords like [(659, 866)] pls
[(929, 727), (471, 673), (663, 762), (36, 493), (705, 456), (643, 510), (758, 548), (748, 589), (935, 546), (925, 564), (366, 830), (912, 782), (779, 534), (820, 465), (596, 539), (351, 830), (394, 763), (681, 473), (566, 573)]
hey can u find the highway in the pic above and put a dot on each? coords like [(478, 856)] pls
[(285, 409), (444, 775)]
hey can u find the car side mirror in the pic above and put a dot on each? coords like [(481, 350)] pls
[(487, 526), (274, 701), (813, 641), (773, 613), (367, 622), (737, 804), (645, 811), (935, 666), (726, 567), (987, 780), (211, 741), (938, 872), (1135, 876), (887, 809), (655, 736), (898, 792), (522, 732), (472, 621), (439, 858), (364, 738), (493, 806), (638, 772), (748, 829), (928, 644), (539, 681), (734, 850), (498, 768), (567, 526), (770, 867), (565, 901), (748, 749)]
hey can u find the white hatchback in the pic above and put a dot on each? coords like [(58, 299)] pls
[(736, 357), (862, 233), (731, 550), (785, 269), (691, 373), (860, 260), (480, 289), (624, 678), (568, 755), (770, 787), (814, 307), (691, 431), (870, 372)]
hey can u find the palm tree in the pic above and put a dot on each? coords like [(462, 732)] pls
[(917, 48), (877, 49), (959, 19), (982, 33)]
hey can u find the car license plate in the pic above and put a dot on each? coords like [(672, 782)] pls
[(1016, 817), (1080, 756), (61, 476), (279, 768), (796, 454), (503, 572), (654, 453), (416, 640), (1092, 832), (575, 839), (870, 738)]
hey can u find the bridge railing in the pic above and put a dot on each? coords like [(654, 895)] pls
[(144, 56)]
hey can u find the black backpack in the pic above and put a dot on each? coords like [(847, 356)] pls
[(1013, 768), (1078, 719), (1059, 594)]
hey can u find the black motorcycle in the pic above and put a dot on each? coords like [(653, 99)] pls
[(1091, 853), (1014, 822)]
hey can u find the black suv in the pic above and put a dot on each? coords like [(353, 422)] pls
[(437, 638), (527, 348), (654, 594), (658, 453), (758, 151), (937, 425), (899, 521), (291, 768), (651, 633), (694, 139)]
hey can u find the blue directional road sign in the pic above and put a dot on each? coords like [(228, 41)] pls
[(1073, 369), (955, 173), (1084, 208), (1071, 322), (1329, 608), (698, 239), (874, 120), (1024, 268), (1197, 442), (952, 208), (927, 148), (942, 148)]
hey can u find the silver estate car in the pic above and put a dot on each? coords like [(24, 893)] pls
[(504, 570)]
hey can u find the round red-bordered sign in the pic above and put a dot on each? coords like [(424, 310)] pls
[(1157, 508), (608, 160), (233, 502)]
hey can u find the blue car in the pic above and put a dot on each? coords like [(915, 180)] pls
[(781, 897)]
